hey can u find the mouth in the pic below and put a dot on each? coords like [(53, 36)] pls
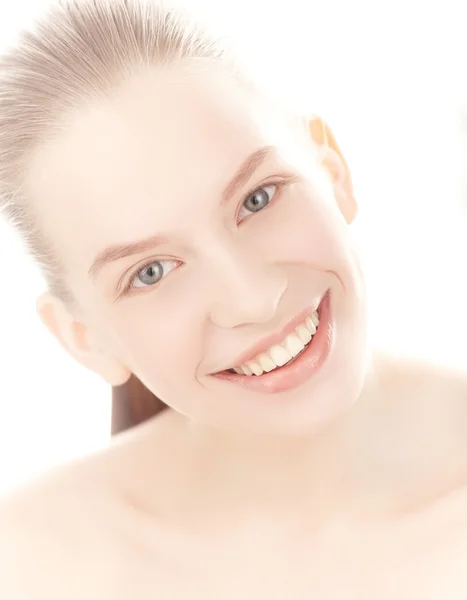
[(292, 361)]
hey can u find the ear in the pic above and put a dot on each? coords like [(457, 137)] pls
[(77, 340), (336, 165)]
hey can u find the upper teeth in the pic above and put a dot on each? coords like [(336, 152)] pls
[(280, 354)]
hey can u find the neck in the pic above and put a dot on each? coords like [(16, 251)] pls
[(250, 471)]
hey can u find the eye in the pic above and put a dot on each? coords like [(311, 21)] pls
[(151, 274), (258, 200)]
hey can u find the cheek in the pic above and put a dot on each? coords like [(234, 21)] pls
[(160, 335), (303, 229)]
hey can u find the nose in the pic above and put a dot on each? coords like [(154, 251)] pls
[(247, 290)]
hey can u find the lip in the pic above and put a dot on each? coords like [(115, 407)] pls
[(302, 368), (274, 338)]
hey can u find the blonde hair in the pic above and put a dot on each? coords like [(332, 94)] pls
[(78, 50)]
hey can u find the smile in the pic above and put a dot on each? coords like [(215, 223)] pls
[(290, 362), (284, 353)]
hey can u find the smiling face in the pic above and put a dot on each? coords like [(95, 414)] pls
[(197, 225)]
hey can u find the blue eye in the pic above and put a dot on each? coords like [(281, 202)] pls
[(152, 273), (258, 200)]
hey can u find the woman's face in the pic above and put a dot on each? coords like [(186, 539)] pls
[(195, 221)]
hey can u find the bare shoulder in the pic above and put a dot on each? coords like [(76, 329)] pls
[(55, 531), (68, 533), (441, 379), (430, 398), (417, 380), (419, 420), (39, 525), (29, 532)]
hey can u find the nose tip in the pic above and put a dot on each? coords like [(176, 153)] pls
[(243, 304)]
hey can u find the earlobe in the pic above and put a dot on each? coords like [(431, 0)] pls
[(335, 164), (77, 340)]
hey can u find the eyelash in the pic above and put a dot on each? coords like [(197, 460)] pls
[(278, 183), (128, 288)]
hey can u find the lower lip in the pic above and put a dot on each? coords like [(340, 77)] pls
[(301, 369)]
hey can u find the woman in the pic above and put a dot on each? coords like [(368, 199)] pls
[(195, 236)]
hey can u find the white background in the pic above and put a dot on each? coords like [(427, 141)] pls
[(391, 80)]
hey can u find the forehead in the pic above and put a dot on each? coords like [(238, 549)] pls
[(163, 142)]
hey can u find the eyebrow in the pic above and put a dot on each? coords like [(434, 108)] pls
[(246, 170), (241, 177)]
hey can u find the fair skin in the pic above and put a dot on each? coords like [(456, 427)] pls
[(351, 484)]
